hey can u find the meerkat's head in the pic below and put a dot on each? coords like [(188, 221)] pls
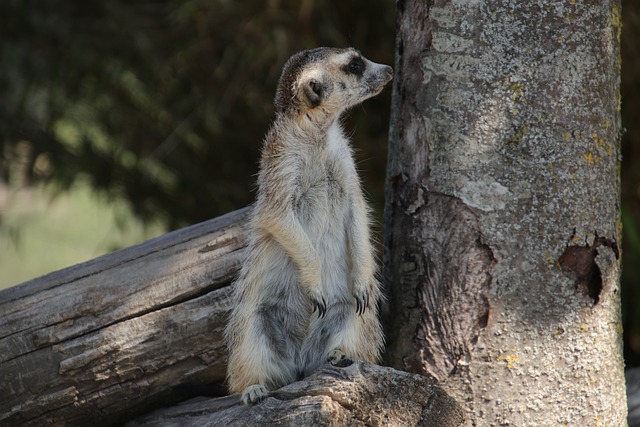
[(322, 83)]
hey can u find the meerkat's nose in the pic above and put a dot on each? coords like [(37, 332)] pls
[(389, 71)]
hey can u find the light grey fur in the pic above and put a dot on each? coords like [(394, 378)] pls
[(307, 291)]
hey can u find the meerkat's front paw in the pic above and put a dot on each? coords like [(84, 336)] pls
[(362, 290), (254, 394), (319, 304), (362, 300)]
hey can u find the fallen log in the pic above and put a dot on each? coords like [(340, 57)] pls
[(360, 394), (103, 341), (106, 341)]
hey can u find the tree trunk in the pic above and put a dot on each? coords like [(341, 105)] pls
[(102, 341), (502, 223)]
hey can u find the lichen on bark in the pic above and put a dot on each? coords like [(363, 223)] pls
[(506, 118)]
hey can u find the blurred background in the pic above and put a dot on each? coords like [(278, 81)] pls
[(120, 121)]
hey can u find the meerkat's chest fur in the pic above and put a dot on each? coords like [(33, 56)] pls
[(324, 179), (315, 175)]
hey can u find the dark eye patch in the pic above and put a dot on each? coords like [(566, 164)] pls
[(355, 66)]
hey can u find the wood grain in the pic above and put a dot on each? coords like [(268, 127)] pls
[(359, 394), (106, 340)]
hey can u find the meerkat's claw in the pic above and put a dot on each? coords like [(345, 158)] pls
[(320, 306), (362, 303), (254, 394)]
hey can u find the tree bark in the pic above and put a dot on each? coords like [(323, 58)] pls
[(357, 395), (502, 223), (100, 342)]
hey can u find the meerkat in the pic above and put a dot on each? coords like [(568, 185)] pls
[(307, 292)]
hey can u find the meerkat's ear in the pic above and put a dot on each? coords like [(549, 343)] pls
[(314, 91)]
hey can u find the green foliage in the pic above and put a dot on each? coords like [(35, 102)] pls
[(631, 180), (166, 102), (40, 234)]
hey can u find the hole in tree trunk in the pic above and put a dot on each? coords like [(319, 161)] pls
[(581, 261)]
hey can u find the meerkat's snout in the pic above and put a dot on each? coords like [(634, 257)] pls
[(388, 71), (370, 81), (383, 74)]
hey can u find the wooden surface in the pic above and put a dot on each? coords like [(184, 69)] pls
[(106, 340), (360, 394)]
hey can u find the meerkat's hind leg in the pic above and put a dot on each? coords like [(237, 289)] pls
[(265, 356), (321, 345), (338, 358), (342, 337), (254, 394)]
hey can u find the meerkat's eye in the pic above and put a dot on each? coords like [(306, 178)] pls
[(355, 66)]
